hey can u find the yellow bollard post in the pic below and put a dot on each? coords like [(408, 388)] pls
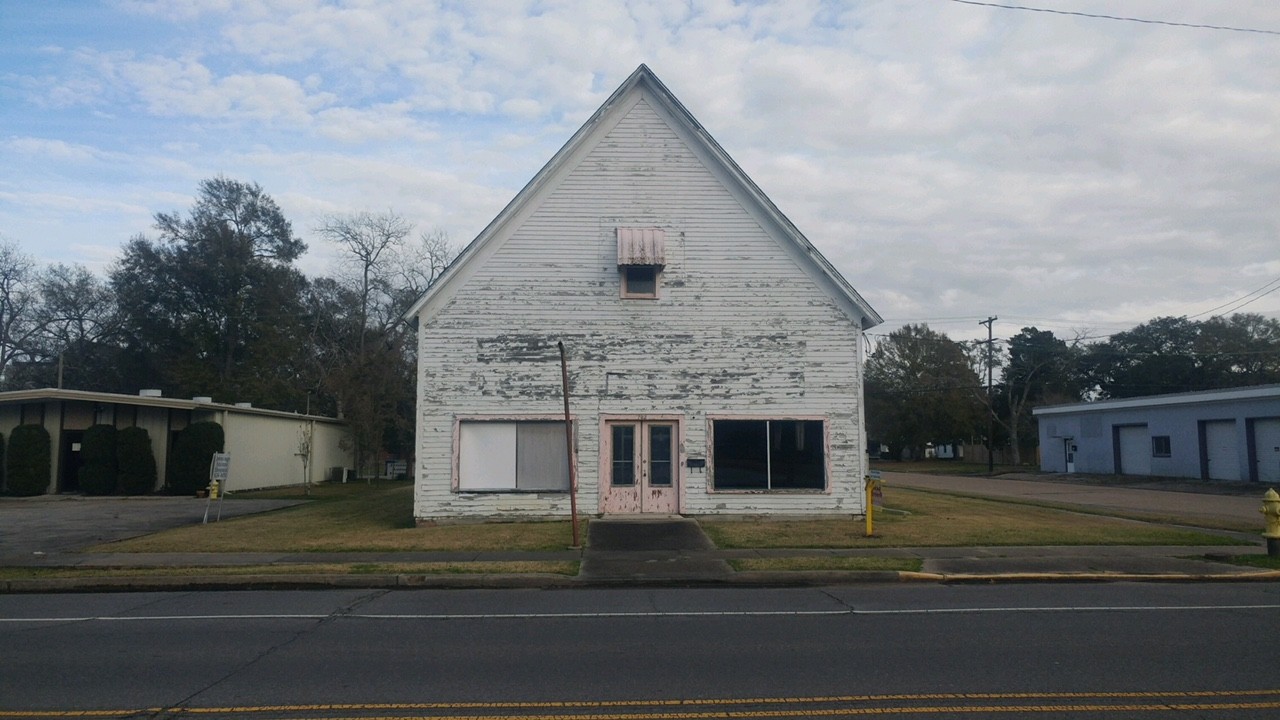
[(1271, 514), (870, 522)]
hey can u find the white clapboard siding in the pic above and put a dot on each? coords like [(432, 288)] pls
[(740, 327)]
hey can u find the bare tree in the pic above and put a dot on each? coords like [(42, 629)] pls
[(363, 349), (17, 300), (369, 242), (78, 320)]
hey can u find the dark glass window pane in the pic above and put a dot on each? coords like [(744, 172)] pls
[(740, 459), (660, 464), (796, 460), (641, 279), (768, 455), (624, 454)]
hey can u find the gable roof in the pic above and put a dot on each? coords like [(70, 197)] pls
[(643, 79)]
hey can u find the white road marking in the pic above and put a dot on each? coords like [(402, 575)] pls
[(643, 614)]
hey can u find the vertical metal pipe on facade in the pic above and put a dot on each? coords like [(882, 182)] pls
[(568, 446)]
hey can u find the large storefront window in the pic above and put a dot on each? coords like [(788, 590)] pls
[(768, 455)]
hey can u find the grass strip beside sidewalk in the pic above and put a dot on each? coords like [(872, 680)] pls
[(378, 518), (927, 519), (427, 568)]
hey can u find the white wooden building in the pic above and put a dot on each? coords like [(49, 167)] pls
[(714, 356)]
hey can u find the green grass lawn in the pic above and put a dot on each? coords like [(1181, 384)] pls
[(378, 518), (427, 568), (350, 517), (926, 519)]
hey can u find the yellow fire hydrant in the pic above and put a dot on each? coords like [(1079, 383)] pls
[(213, 489), (1271, 512)]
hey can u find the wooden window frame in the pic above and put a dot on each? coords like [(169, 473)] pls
[(458, 422), (826, 488)]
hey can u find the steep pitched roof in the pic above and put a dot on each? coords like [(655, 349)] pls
[(644, 79)]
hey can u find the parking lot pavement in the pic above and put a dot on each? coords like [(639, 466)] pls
[(51, 524)]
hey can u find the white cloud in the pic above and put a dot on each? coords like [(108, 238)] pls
[(952, 160)]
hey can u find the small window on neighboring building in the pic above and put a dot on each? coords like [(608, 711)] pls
[(512, 456), (639, 281), (1160, 446)]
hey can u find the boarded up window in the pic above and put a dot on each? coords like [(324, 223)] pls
[(512, 456), (768, 455)]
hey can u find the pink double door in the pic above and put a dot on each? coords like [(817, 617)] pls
[(640, 470)]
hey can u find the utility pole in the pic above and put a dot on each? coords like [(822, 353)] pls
[(991, 407)]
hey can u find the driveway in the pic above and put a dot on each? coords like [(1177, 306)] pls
[(69, 523)]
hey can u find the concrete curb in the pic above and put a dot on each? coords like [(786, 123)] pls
[(809, 578)]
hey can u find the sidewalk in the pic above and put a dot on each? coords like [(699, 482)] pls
[(683, 568), (673, 551)]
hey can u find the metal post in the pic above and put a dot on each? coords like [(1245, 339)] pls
[(568, 447), (991, 405)]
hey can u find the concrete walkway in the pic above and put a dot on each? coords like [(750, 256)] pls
[(640, 549)]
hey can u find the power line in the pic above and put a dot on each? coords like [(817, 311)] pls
[(1197, 26), (1232, 302)]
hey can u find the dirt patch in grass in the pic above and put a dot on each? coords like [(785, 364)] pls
[(351, 517), (827, 563), (430, 568), (928, 519)]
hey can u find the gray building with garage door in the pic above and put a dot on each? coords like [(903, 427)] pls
[(1218, 435)]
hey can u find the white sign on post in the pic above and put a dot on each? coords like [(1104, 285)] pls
[(220, 467), (219, 471)]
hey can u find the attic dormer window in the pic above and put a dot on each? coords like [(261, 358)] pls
[(641, 257)]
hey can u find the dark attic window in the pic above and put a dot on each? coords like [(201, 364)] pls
[(639, 281)]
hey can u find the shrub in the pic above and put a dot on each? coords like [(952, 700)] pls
[(136, 463), (98, 458), (29, 460), (193, 450)]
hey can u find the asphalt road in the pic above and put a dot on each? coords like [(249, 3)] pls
[(1108, 650)]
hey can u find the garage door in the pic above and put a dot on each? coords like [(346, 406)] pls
[(1221, 450), (1135, 450), (1266, 442)]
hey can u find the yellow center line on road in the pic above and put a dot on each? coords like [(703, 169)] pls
[(796, 706)]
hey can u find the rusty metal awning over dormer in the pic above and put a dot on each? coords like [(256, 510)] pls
[(642, 246)]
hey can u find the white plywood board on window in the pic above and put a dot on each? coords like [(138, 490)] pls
[(542, 460), (486, 456)]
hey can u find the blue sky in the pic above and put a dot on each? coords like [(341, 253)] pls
[(954, 161)]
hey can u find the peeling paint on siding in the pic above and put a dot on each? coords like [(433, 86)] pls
[(739, 328)]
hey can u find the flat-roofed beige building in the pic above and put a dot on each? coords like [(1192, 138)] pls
[(266, 446)]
